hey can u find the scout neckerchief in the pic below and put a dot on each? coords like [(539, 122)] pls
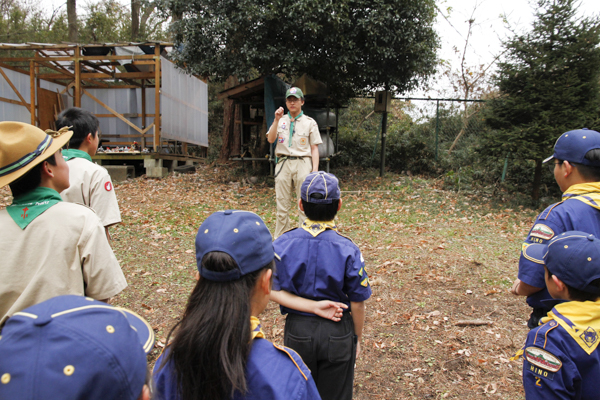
[(31, 205), (75, 153), (255, 328), (315, 228), (589, 193), (292, 121), (581, 320)]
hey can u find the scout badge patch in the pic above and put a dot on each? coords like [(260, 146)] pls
[(542, 231), (542, 363)]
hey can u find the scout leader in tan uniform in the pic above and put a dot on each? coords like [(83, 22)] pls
[(48, 247), (90, 184), (297, 155)]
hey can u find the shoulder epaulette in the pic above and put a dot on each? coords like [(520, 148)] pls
[(547, 211), (289, 352), (541, 333)]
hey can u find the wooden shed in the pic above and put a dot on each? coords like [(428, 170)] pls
[(147, 107)]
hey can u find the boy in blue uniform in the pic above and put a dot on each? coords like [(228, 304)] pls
[(318, 263), (576, 168), (561, 359)]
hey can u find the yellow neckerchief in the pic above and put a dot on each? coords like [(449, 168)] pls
[(589, 193), (255, 328), (315, 228), (581, 320)]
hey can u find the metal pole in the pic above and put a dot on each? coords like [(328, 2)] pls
[(383, 133), (437, 128)]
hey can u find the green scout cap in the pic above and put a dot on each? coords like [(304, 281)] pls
[(294, 91)]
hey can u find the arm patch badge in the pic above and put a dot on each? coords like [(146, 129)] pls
[(543, 359), (542, 231)]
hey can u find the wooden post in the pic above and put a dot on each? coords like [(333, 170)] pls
[(143, 139), (32, 90), (156, 96), (77, 66)]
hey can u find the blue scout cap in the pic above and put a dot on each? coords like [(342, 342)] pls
[(73, 347), (572, 146), (574, 257), (325, 185), (241, 234), (294, 91)]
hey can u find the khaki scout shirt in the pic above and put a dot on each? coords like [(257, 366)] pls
[(306, 134), (91, 185), (63, 251)]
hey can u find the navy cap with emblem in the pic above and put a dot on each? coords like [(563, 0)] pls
[(241, 234), (572, 146), (320, 187), (72, 347), (574, 257)]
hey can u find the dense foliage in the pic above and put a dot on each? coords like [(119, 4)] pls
[(104, 21), (549, 83), (354, 46)]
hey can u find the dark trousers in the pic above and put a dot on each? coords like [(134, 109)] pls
[(328, 349)]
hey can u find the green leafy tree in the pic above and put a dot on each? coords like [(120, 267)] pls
[(548, 84), (354, 46)]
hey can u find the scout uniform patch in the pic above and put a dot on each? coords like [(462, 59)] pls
[(303, 141), (543, 363), (542, 231)]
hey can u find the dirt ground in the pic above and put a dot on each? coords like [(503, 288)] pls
[(435, 258)]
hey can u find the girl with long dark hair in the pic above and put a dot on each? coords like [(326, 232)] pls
[(218, 350)]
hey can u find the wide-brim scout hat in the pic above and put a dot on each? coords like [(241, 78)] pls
[(241, 234), (574, 257), (320, 187), (73, 347), (572, 146), (23, 146)]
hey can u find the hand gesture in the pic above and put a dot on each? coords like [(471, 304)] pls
[(278, 113), (330, 310)]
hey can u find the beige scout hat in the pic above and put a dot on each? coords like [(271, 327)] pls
[(23, 146)]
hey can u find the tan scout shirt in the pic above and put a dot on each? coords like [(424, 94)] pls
[(306, 134), (91, 185), (54, 255)]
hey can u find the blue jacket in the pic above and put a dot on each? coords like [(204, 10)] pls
[(568, 215), (272, 372), (328, 266), (561, 359)]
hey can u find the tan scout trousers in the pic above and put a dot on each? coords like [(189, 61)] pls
[(289, 179)]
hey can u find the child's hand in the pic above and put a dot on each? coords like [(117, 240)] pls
[(357, 349), (330, 309)]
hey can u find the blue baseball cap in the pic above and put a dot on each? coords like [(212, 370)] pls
[(73, 347), (322, 184), (572, 146), (574, 257), (241, 234)]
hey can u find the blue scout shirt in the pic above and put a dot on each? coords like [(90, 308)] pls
[(272, 372), (575, 213), (318, 263), (561, 359)]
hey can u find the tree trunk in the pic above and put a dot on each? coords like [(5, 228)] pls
[(72, 20), (135, 20), (537, 178), (229, 132)]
